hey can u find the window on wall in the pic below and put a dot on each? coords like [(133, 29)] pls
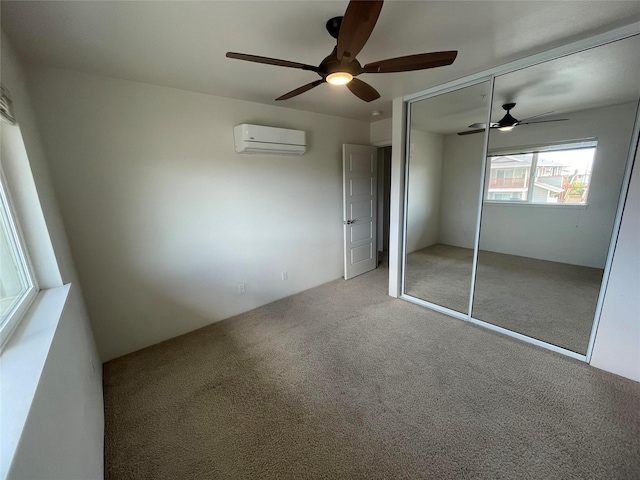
[(17, 285), (546, 174)]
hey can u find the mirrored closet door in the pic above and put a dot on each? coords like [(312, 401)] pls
[(444, 172), (551, 192), (556, 161)]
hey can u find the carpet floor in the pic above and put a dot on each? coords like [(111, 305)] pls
[(345, 382), (553, 302)]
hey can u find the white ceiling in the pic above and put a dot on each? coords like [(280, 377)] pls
[(183, 44)]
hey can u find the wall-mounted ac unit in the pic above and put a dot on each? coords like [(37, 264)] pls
[(257, 139)]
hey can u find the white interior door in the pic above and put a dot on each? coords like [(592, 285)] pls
[(360, 185)]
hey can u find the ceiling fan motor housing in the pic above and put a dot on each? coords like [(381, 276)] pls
[(331, 64), (333, 26), (508, 120)]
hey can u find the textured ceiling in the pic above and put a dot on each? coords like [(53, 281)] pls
[(183, 44)]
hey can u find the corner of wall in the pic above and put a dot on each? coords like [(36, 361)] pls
[(397, 201)]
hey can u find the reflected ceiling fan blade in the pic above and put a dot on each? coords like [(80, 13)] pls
[(363, 90), (271, 61), (300, 90), (482, 125), (536, 116), (470, 132), (495, 125), (357, 25), (543, 121), (408, 63)]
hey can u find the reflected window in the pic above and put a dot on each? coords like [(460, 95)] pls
[(509, 177), (547, 174)]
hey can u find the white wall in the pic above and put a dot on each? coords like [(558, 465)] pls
[(63, 435), (617, 345), (568, 235), (166, 220), (461, 174), (425, 171)]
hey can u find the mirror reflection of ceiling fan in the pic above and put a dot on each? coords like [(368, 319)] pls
[(508, 122), (341, 67)]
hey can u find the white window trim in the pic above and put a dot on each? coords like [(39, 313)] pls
[(523, 204), (16, 314)]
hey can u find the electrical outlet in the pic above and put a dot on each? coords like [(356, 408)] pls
[(285, 275), (241, 288)]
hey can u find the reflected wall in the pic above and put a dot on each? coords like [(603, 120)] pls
[(551, 191)]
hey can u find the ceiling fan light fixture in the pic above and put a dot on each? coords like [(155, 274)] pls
[(507, 128), (339, 78)]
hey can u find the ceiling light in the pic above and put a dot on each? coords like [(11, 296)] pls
[(508, 128), (339, 78)]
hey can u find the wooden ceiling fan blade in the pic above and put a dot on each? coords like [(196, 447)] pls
[(470, 132), (419, 61), (363, 90), (482, 125), (300, 90), (270, 61), (357, 25)]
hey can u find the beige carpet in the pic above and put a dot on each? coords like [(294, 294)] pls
[(344, 382), (553, 302)]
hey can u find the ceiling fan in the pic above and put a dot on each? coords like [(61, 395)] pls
[(341, 67), (508, 122)]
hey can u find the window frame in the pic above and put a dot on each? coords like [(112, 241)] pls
[(535, 150), (16, 314)]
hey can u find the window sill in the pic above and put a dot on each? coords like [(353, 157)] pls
[(22, 361), (558, 206)]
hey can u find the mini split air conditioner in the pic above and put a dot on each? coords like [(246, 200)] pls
[(257, 139)]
